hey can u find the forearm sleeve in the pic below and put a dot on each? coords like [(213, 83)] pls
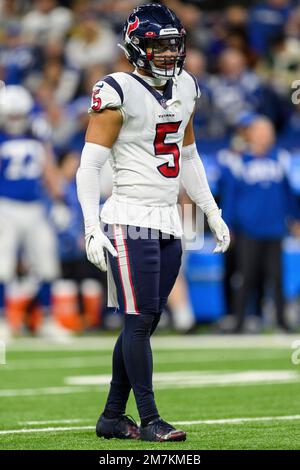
[(93, 158), (194, 179)]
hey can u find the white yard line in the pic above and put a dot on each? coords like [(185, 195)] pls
[(238, 420), (33, 392), (58, 363), (83, 362), (187, 378), (52, 429), (165, 380), (54, 421), (162, 342), (176, 423)]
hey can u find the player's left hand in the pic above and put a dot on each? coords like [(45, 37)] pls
[(219, 230)]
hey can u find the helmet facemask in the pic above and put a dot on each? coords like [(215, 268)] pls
[(161, 56), (165, 55)]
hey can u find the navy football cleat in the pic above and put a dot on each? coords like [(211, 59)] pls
[(121, 427), (160, 431)]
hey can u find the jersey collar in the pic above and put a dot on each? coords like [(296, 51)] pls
[(162, 99)]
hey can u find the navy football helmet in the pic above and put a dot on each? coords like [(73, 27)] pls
[(148, 33)]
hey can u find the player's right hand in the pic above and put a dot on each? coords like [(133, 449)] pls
[(219, 230), (95, 242)]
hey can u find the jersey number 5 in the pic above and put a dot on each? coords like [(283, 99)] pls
[(96, 101), (170, 169)]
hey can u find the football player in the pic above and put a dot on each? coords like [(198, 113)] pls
[(26, 163), (143, 123)]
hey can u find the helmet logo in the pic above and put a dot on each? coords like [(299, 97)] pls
[(132, 26), (150, 34)]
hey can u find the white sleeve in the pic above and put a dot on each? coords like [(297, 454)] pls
[(93, 158), (194, 180)]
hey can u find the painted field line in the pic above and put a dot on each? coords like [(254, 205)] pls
[(164, 380), (176, 423), (50, 429), (58, 363), (162, 342), (238, 420), (186, 378), (33, 392), (55, 421)]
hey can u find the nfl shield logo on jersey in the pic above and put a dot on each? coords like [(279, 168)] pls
[(163, 102)]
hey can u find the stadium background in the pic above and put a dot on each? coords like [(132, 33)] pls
[(228, 392), (245, 57)]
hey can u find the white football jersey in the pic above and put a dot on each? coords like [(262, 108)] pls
[(145, 158)]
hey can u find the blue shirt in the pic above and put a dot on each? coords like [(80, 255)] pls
[(265, 23), (255, 194), (22, 160)]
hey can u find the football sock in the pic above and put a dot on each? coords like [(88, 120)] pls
[(120, 385), (138, 361), (111, 414)]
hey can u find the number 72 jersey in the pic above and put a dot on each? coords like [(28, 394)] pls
[(146, 156)]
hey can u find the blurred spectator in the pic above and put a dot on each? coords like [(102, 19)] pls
[(289, 137), (16, 56), (192, 19), (9, 12), (62, 126), (244, 59), (209, 129), (237, 88), (47, 20), (229, 31), (92, 43), (26, 170), (61, 77), (256, 205), (266, 21), (115, 12), (121, 64), (281, 65)]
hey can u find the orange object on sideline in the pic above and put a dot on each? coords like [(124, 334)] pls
[(65, 304), (35, 318), (92, 297), (18, 297)]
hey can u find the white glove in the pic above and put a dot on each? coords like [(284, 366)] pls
[(95, 242), (219, 230)]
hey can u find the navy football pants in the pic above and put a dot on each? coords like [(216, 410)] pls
[(144, 273)]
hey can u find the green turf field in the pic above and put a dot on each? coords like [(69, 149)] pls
[(226, 392)]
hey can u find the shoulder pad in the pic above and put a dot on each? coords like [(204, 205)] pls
[(196, 86), (107, 93)]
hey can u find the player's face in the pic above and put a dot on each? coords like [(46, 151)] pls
[(164, 52)]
